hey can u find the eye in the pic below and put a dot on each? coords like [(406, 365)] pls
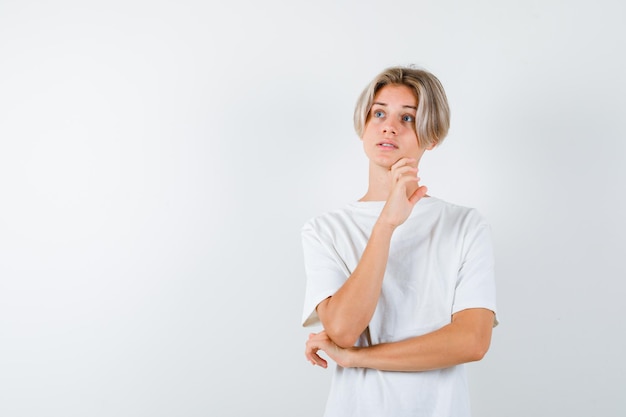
[(408, 118), (379, 113)]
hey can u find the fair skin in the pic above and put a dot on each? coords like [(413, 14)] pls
[(390, 143)]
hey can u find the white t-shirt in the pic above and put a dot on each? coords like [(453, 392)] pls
[(440, 262)]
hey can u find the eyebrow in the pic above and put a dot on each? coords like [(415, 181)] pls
[(385, 104)]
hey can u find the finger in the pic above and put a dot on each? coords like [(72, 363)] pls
[(402, 161), (319, 361), (311, 347), (405, 180), (317, 336), (407, 169), (309, 351), (311, 355), (418, 194)]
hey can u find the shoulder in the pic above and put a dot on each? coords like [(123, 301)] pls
[(326, 232), (456, 215), (337, 219), (323, 220), (451, 209)]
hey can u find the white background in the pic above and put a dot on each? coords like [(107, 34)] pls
[(158, 158)]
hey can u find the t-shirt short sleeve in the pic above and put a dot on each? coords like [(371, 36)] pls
[(325, 271), (475, 287)]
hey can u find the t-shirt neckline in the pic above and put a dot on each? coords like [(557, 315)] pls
[(377, 206)]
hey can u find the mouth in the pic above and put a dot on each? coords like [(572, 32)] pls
[(387, 145)]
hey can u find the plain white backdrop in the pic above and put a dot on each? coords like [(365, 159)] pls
[(157, 160)]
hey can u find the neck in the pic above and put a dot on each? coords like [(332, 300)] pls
[(380, 184)]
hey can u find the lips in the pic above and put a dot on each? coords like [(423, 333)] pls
[(387, 144)]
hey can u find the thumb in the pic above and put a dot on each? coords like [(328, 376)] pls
[(418, 194)]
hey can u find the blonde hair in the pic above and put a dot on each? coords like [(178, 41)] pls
[(432, 120)]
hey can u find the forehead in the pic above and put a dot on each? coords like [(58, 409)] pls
[(396, 94)]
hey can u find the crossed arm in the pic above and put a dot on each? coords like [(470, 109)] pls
[(347, 313), (465, 339)]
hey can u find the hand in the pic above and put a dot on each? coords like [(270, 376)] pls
[(321, 341), (402, 197)]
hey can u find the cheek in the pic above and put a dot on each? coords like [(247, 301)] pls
[(368, 133)]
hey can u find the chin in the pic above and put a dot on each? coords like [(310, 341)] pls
[(384, 162)]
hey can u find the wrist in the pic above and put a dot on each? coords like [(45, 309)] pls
[(351, 358), (384, 226)]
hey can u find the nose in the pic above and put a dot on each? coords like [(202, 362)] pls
[(390, 127)]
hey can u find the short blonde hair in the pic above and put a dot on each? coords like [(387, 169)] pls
[(432, 120)]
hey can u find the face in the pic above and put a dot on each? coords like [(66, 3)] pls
[(389, 133)]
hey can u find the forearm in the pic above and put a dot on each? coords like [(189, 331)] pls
[(348, 312), (466, 339)]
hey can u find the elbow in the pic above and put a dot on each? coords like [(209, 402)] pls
[(477, 350), (343, 332), (477, 355), (346, 343), (342, 337), (473, 328)]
